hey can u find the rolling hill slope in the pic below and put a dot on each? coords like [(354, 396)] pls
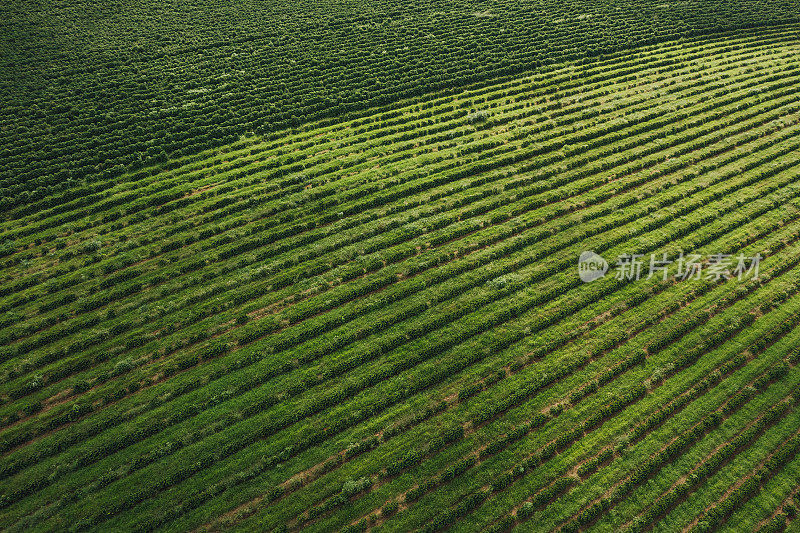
[(92, 89), (380, 324)]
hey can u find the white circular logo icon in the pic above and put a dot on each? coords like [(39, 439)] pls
[(591, 266)]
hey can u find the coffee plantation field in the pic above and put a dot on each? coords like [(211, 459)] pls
[(91, 89), (376, 321)]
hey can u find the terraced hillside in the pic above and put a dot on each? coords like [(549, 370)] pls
[(379, 324)]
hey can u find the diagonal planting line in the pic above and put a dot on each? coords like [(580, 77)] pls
[(569, 369), (552, 452)]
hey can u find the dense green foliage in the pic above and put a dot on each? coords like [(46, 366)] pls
[(377, 323), (89, 89)]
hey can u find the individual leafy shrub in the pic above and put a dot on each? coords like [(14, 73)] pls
[(389, 508), (418, 491), (470, 390), (410, 458), (215, 349), (591, 465), (354, 486), (358, 527), (776, 524), (457, 469), (577, 395), (361, 447), (447, 437), (505, 524), (547, 494)]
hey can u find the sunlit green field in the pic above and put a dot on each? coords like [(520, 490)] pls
[(377, 323)]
